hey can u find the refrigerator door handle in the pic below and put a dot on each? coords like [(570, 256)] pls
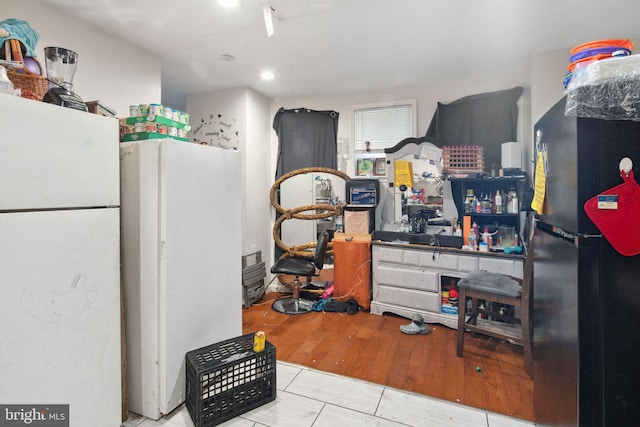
[(564, 234)]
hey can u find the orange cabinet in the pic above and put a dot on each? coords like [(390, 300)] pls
[(352, 268)]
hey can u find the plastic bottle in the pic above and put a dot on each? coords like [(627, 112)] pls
[(473, 237), (453, 293), (486, 236), (514, 203), (458, 231), (404, 224), (471, 243), (469, 207), (506, 202), (486, 203)]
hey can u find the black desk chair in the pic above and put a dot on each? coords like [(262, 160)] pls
[(300, 267)]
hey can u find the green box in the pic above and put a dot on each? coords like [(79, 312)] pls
[(139, 136), (155, 119)]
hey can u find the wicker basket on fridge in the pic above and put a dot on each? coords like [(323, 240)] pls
[(32, 86)]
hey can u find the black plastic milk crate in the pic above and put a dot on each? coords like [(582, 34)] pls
[(228, 378)]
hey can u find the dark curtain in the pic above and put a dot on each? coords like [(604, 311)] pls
[(307, 138), (487, 119)]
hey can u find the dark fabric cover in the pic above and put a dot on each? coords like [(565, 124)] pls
[(487, 119), (495, 283), (307, 138)]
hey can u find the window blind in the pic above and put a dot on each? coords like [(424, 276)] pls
[(383, 127)]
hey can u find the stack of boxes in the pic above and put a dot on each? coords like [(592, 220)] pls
[(154, 121)]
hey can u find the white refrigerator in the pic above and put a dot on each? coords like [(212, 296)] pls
[(59, 261), (181, 259)]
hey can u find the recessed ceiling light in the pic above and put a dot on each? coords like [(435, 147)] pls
[(267, 75), (229, 3), (225, 57)]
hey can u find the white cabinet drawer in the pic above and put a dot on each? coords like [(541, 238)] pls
[(467, 263), (435, 259), (429, 301), (406, 277), (503, 266), (411, 257), (387, 255)]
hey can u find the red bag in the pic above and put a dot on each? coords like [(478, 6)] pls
[(616, 213)]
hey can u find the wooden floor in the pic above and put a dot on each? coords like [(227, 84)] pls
[(491, 375)]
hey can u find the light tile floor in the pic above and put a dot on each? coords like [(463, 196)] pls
[(310, 398)]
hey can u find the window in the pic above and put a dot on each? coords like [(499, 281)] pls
[(379, 126)]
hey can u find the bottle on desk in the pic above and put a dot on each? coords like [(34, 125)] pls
[(471, 241), (514, 203), (498, 202), (457, 230), (486, 237), (404, 224)]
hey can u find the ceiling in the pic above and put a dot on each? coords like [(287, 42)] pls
[(345, 46)]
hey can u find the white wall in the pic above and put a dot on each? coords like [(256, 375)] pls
[(257, 215), (109, 70), (245, 112), (547, 75)]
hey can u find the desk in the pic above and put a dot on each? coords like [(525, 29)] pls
[(409, 278), (352, 268)]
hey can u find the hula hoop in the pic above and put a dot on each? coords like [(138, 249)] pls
[(597, 51), (567, 79), (297, 213), (623, 43), (571, 66)]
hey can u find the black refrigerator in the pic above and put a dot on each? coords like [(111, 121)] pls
[(586, 304)]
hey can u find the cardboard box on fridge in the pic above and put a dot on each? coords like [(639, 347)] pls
[(96, 107)]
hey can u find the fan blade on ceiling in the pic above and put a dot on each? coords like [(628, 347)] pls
[(268, 20)]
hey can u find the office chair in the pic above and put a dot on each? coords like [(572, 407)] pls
[(304, 267)]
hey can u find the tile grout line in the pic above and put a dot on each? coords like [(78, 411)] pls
[(384, 390), (324, 405)]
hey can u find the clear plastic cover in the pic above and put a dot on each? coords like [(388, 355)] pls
[(606, 89), (6, 86)]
